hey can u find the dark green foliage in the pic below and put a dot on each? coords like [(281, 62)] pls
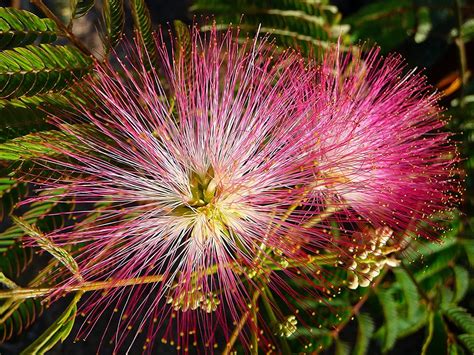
[(19, 28), (81, 7), (183, 38), (20, 118), (30, 146), (342, 348), (114, 16), (430, 294), (13, 235), (39, 69), (304, 24), (143, 26), (386, 22), (365, 331), (15, 260), (468, 341), (461, 318), (15, 316), (389, 331), (57, 332)]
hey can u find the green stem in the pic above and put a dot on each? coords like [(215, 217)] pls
[(23, 293), (32, 292), (321, 217), (429, 337)]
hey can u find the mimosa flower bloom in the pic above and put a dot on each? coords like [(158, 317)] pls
[(193, 180), (379, 134), (235, 167)]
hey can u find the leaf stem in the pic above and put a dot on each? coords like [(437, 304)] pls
[(429, 336)]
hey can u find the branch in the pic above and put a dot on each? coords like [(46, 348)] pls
[(23, 293), (66, 31)]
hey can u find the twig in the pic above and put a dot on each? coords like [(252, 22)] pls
[(67, 32), (23, 293), (31, 292)]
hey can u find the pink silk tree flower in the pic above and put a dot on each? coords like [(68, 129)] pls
[(379, 133), (233, 167), (195, 181)]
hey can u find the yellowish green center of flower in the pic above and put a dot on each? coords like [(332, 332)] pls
[(203, 188)]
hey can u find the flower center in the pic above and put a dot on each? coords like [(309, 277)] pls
[(203, 188)]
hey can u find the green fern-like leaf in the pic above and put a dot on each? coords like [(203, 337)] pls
[(341, 348), (81, 7), (38, 69), (20, 119), (389, 331), (12, 235), (57, 332), (114, 16), (48, 245), (13, 257), (461, 318), (15, 260), (32, 145), (461, 279), (6, 185), (384, 22), (183, 39), (468, 341), (20, 28), (469, 250), (143, 25), (11, 191), (365, 331), (307, 25), (436, 263), (27, 114), (15, 316), (411, 296)]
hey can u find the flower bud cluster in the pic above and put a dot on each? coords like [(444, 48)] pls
[(194, 299), (367, 263), (287, 328), (280, 258)]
